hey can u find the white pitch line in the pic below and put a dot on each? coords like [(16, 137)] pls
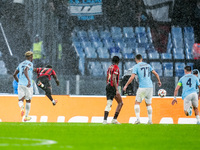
[(41, 142)]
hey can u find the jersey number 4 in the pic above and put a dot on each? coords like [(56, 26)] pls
[(189, 82)]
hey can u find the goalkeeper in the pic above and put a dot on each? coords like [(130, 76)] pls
[(43, 80)]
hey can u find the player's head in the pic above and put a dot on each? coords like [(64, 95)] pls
[(115, 60), (138, 58), (188, 69), (195, 72), (48, 66), (29, 55)]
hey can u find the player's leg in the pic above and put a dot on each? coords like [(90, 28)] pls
[(28, 97), (188, 105), (148, 100), (21, 95), (109, 96), (48, 92), (118, 98), (195, 103), (138, 100)]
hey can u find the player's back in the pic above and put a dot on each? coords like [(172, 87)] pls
[(22, 78), (143, 70), (113, 69), (189, 83)]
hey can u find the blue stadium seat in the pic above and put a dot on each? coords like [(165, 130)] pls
[(82, 65), (140, 50), (130, 43), (95, 69), (105, 66), (167, 69), (114, 50), (129, 64), (93, 33), (169, 44), (86, 44), (116, 54), (127, 50), (188, 32), (149, 36), (191, 65), (105, 34), (108, 42), (166, 56), (128, 32), (177, 50), (120, 43), (179, 69), (179, 56), (103, 52), (128, 56), (140, 30), (116, 32), (82, 33), (157, 67), (154, 55), (90, 52), (97, 44), (189, 56)]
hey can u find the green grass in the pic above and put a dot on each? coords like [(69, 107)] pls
[(77, 136)]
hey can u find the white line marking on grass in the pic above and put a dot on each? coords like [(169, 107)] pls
[(39, 141)]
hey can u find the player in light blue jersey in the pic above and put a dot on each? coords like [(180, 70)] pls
[(196, 73), (189, 93), (25, 88), (145, 90)]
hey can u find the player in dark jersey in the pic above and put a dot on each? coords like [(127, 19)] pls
[(43, 80), (112, 90)]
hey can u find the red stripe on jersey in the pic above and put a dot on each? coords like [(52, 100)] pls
[(45, 72), (113, 69)]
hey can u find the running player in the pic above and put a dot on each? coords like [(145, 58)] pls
[(145, 90), (25, 87), (189, 92), (43, 80), (196, 73), (112, 90)]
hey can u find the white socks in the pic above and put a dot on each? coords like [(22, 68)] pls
[(197, 116), (137, 111), (21, 104), (149, 111), (28, 107)]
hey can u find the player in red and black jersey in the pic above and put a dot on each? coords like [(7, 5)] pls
[(43, 80), (112, 90)]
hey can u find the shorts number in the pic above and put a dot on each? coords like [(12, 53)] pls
[(189, 82)]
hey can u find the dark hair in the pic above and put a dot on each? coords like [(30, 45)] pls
[(195, 71), (115, 59), (188, 68), (138, 56), (48, 66)]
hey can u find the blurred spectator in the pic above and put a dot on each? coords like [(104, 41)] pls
[(15, 85), (38, 52)]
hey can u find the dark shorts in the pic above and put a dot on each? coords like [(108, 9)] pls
[(45, 81), (110, 92)]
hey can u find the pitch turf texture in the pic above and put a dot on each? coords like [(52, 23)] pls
[(91, 136)]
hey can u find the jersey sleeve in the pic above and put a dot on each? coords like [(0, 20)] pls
[(53, 72), (29, 65), (134, 70), (180, 82), (151, 68)]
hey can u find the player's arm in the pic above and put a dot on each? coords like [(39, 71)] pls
[(129, 81), (115, 82), (157, 77), (15, 75), (199, 92), (175, 93), (56, 79), (26, 75)]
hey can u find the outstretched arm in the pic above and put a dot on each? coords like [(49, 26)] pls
[(175, 94), (129, 81), (158, 78), (56, 79)]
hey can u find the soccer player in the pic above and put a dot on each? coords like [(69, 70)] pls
[(145, 90), (43, 80), (112, 90), (196, 73), (25, 87), (189, 92)]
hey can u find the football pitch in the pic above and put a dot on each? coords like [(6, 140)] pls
[(92, 136)]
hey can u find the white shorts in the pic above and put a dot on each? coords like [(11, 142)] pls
[(191, 99), (26, 92), (144, 93)]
